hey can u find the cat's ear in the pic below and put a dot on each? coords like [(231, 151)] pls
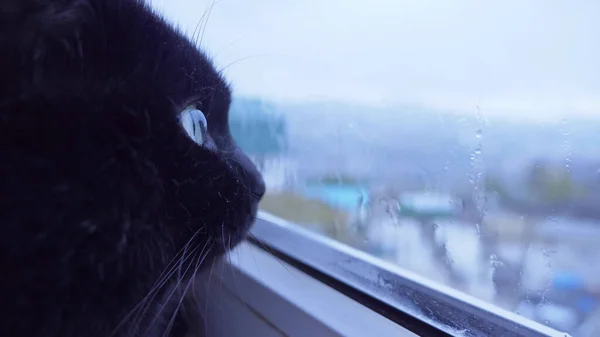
[(40, 19)]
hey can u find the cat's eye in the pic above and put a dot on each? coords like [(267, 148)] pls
[(194, 123)]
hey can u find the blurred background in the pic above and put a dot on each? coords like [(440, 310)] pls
[(455, 139)]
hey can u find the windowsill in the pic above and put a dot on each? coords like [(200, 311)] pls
[(286, 299), (293, 302)]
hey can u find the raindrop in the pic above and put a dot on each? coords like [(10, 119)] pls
[(566, 143), (477, 166), (495, 261), (546, 252)]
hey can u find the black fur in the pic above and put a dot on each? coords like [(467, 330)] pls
[(100, 188)]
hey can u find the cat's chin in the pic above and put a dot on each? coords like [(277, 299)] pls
[(225, 241)]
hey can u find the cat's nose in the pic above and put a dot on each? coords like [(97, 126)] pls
[(259, 188), (255, 179)]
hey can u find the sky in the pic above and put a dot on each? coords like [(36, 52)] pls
[(521, 58)]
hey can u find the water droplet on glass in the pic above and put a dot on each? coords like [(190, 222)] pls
[(566, 143), (495, 261), (477, 166), (546, 252)]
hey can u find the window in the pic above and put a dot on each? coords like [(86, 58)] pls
[(455, 141)]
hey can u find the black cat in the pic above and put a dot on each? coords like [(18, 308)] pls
[(118, 176)]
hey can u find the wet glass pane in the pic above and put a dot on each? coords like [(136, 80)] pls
[(456, 139)]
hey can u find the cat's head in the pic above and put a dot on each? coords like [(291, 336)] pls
[(115, 154)]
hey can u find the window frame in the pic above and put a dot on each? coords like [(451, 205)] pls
[(266, 296), (406, 298)]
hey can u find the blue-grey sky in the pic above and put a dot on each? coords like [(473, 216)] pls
[(523, 58)]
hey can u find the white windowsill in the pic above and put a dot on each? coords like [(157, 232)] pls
[(252, 293)]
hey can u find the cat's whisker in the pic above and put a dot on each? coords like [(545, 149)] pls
[(193, 37), (176, 311), (195, 297), (201, 257), (206, 22), (208, 284), (175, 289), (225, 258), (226, 47), (194, 280), (165, 275), (169, 270), (229, 247), (175, 259), (223, 237), (197, 32), (147, 305), (270, 251), (135, 312), (236, 283), (233, 271), (220, 71)]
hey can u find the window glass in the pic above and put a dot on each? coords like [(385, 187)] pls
[(458, 139)]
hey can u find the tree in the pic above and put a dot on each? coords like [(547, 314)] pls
[(312, 213), (551, 184)]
